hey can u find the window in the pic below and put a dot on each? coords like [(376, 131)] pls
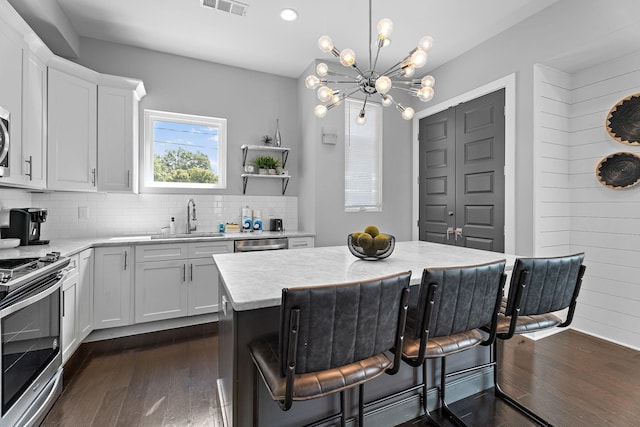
[(184, 151), (363, 158)]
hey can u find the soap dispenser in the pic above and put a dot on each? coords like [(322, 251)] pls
[(172, 226)]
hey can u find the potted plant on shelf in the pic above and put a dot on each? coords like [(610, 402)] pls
[(267, 140), (266, 165)]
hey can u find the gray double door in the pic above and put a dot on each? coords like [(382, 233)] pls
[(462, 174)]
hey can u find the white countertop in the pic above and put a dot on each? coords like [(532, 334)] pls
[(68, 247), (255, 280)]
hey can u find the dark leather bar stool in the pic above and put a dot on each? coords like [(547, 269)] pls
[(453, 304), (332, 338), (539, 288)]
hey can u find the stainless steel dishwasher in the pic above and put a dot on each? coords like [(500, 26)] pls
[(254, 245)]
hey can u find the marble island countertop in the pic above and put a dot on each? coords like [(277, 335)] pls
[(255, 280), (68, 247)]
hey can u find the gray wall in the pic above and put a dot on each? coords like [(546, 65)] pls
[(563, 29), (323, 176), (250, 101)]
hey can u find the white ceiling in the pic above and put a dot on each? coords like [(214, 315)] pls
[(262, 41)]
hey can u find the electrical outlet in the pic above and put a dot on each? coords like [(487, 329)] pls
[(83, 212)]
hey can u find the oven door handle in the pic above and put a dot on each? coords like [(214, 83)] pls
[(55, 285)]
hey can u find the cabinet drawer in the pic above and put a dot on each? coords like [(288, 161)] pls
[(300, 242), (161, 252), (206, 249)]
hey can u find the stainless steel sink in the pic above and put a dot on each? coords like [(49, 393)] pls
[(186, 235)]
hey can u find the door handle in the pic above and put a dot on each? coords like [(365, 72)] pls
[(30, 163), (191, 272), (458, 233), (450, 230), (184, 272)]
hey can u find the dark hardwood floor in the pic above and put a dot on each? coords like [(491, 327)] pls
[(570, 379), (168, 379), (161, 379)]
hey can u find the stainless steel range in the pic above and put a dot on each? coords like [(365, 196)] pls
[(31, 363)]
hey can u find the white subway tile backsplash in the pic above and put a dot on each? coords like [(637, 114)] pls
[(120, 214)]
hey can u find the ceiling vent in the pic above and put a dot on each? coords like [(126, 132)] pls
[(229, 6)]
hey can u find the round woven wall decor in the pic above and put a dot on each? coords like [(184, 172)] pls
[(619, 170), (623, 121)]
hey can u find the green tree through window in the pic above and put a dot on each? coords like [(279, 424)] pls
[(183, 166)]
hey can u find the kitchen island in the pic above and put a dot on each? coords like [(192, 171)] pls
[(250, 295)]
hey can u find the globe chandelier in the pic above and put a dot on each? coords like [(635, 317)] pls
[(369, 82)]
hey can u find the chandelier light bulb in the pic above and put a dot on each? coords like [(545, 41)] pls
[(425, 94), (325, 93), (408, 113), (322, 69), (419, 58), (325, 44), (361, 119), (312, 82), (385, 27), (387, 100), (425, 43), (347, 57), (428, 81), (336, 99), (408, 70), (320, 111), (383, 84)]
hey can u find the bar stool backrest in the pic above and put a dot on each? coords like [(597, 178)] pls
[(465, 298), (546, 284), (343, 323)]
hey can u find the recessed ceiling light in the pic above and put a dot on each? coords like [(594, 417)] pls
[(288, 14)]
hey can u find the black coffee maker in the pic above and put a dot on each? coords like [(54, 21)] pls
[(24, 224)]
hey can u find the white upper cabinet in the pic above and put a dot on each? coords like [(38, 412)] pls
[(11, 53), (72, 132), (118, 137), (34, 134)]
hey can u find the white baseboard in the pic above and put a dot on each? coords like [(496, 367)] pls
[(143, 328)]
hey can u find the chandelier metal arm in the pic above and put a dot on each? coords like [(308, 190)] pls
[(376, 61), (333, 73), (341, 81)]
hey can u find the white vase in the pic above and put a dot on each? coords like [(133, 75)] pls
[(276, 139)]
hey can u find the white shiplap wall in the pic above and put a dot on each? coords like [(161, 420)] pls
[(552, 100), (603, 223)]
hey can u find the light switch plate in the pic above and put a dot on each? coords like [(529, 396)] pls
[(329, 136)]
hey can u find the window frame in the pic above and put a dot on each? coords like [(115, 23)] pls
[(372, 109), (149, 185)]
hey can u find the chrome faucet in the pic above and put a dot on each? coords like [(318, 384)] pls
[(191, 216)]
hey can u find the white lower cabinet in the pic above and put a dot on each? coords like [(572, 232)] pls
[(203, 287), (176, 280), (160, 290), (69, 304), (85, 294), (300, 242), (112, 290)]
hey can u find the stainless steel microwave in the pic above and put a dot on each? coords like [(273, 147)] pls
[(4, 141)]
